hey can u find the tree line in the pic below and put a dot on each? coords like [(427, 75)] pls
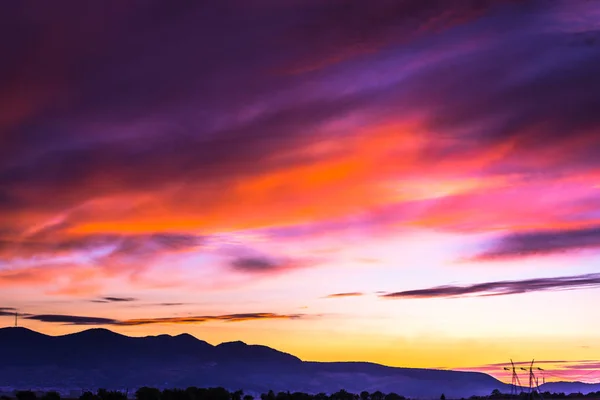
[(219, 393)]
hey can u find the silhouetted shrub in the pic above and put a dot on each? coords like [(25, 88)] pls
[(25, 395), (51, 396), (88, 396)]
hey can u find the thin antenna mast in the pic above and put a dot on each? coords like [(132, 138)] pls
[(16, 318)]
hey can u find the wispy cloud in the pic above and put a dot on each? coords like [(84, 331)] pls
[(7, 311), (348, 294), (86, 320), (209, 318), (502, 288), (256, 264), (262, 264), (56, 240), (114, 300), (552, 370), (532, 243), (72, 319)]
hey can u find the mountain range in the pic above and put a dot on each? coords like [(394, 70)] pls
[(98, 358)]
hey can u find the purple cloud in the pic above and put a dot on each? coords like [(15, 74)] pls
[(502, 288), (100, 321), (516, 245), (72, 319), (114, 300), (348, 294), (4, 311)]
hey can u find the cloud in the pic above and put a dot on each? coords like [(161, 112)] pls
[(502, 288), (81, 264), (244, 105), (99, 321), (7, 311), (348, 294), (57, 277), (593, 365), (553, 370), (342, 30), (209, 318), (287, 116), (256, 264), (72, 319), (56, 240), (251, 261), (114, 299), (535, 243)]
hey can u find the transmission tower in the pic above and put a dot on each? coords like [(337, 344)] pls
[(515, 382), (534, 386)]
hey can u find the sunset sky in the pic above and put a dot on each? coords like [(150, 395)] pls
[(408, 182)]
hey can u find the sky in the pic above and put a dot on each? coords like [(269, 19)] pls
[(408, 182)]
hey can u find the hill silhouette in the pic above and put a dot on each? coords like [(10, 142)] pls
[(97, 358)]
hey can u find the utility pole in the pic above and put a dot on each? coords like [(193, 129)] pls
[(16, 318)]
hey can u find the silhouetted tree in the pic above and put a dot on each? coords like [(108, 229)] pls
[(174, 394), (377, 395), (364, 395), (25, 395), (88, 396), (268, 396), (394, 396), (237, 395), (218, 393), (443, 397), (343, 395), (301, 396), (248, 397), (147, 393), (51, 396), (104, 394)]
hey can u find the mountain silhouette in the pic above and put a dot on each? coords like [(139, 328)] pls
[(570, 387), (97, 358)]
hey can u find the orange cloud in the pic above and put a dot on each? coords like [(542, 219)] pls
[(358, 174), (348, 294)]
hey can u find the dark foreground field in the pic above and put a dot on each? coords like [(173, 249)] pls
[(218, 393)]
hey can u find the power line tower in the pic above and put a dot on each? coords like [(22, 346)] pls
[(534, 386), (515, 382), (543, 377)]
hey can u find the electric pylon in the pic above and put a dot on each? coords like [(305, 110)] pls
[(515, 382), (534, 385)]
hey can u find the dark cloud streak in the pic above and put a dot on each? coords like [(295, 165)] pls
[(502, 288), (99, 321), (535, 243), (72, 319), (255, 264), (348, 294), (114, 300)]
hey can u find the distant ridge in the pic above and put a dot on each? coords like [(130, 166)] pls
[(96, 358)]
